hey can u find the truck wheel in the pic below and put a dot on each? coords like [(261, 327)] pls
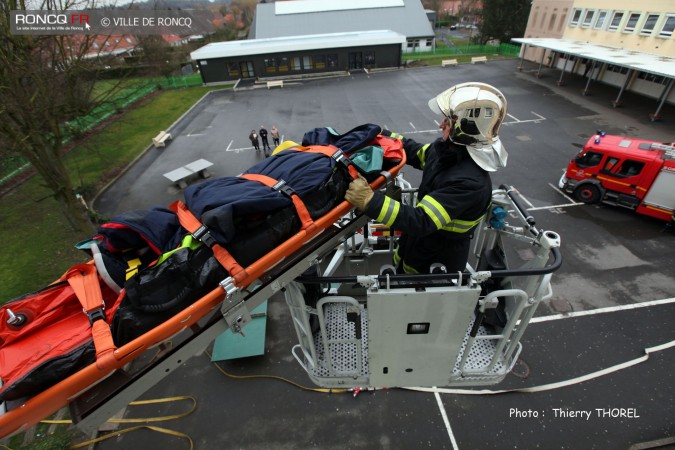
[(587, 193)]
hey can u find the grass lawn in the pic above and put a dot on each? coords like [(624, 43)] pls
[(38, 242)]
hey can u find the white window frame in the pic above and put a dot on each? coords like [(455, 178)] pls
[(611, 27), (602, 14), (667, 34), (632, 29), (588, 18), (646, 32), (573, 22)]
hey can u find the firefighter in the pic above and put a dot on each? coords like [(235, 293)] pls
[(456, 189)]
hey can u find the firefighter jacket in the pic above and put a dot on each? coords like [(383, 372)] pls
[(453, 197)]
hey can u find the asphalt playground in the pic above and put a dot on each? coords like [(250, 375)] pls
[(613, 298)]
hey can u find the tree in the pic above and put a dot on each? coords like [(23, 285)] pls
[(44, 82), (504, 19)]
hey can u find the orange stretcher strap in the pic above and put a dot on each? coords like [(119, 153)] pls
[(83, 278), (281, 186), (335, 153), (201, 233)]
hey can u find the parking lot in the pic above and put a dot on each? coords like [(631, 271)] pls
[(612, 258)]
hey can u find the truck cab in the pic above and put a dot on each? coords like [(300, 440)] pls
[(623, 171)]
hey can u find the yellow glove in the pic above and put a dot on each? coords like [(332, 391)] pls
[(359, 193)]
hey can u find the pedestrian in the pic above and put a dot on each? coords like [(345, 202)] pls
[(254, 140), (275, 135), (265, 142), (456, 188)]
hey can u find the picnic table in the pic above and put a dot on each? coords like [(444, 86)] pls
[(180, 175)]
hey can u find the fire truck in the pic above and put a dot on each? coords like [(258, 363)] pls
[(634, 173)]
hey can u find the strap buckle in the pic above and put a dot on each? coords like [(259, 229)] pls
[(282, 187), (95, 314), (340, 157), (202, 234)]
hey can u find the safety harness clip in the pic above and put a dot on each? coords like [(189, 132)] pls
[(202, 234)]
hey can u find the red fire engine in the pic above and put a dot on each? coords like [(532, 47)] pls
[(633, 173)]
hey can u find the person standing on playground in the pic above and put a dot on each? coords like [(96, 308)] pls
[(254, 140), (275, 135), (265, 142)]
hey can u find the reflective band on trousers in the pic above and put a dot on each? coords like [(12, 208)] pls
[(435, 211), (389, 211), (406, 268)]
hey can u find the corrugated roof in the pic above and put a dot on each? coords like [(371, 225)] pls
[(299, 17), (645, 62), (297, 43)]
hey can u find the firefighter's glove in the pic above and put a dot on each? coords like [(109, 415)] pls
[(359, 193)]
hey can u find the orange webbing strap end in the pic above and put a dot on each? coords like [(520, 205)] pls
[(281, 186), (84, 281), (201, 233), (335, 153)]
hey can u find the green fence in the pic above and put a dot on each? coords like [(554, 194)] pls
[(13, 165), (465, 50)]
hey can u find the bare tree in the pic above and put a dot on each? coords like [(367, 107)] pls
[(44, 82)]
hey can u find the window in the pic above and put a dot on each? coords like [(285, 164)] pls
[(430, 42), (630, 168), (588, 18), (320, 61), (589, 159), (600, 21), (617, 69), (232, 69), (296, 63), (668, 27), (332, 61), (616, 21), (271, 65), (307, 62), (651, 77), (632, 22), (610, 164), (649, 24), (576, 15), (282, 64), (369, 59), (410, 43)]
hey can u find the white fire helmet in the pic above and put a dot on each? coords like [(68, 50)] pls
[(484, 108)]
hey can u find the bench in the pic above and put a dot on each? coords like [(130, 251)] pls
[(476, 59), (448, 62), (180, 175), (274, 83), (161, 138)]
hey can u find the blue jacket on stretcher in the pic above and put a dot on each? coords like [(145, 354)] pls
[(453, 197)]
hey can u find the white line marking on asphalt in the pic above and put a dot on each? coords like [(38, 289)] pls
[(609, 309), (526, 200), (411, 124), (515, 119), (538, 115), (230, 145), (539, 208), (562, 193), (445, 419)]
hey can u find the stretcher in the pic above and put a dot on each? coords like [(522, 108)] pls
[(374, 330), (121, 374)]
